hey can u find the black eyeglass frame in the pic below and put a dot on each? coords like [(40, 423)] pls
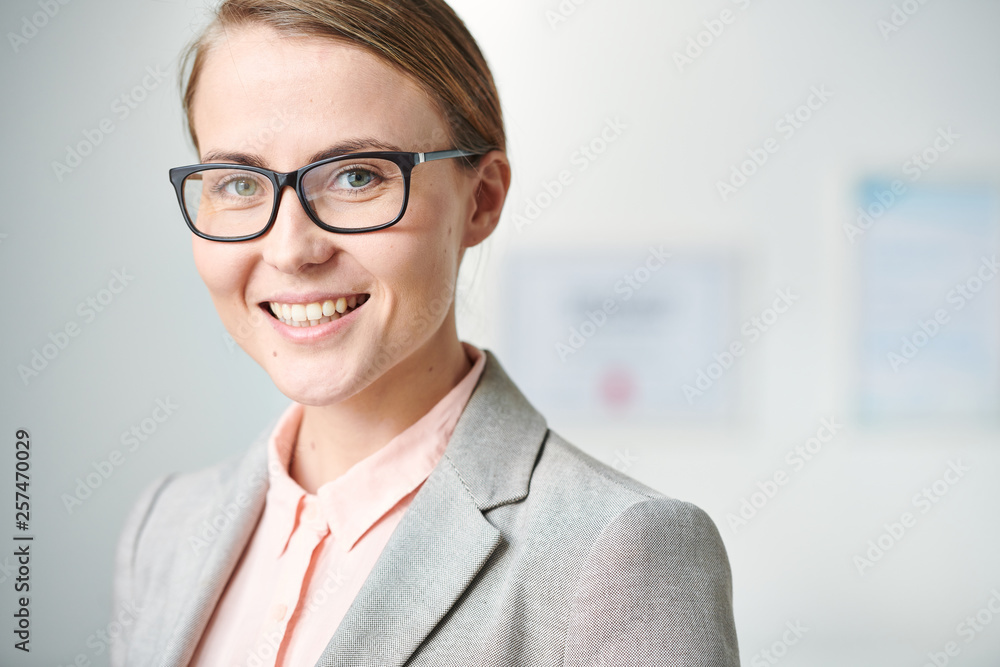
[(293, 179)]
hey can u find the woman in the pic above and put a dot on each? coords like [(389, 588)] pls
[(410, 507)]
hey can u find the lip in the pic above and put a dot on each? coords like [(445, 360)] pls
[(310, 334)]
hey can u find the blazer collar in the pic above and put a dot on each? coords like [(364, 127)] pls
[(497, 439), (439, 546), (443, 540)]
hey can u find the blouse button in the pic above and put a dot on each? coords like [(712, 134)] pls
[(278, 611)]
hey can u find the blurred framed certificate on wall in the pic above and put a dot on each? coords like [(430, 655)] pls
[(632, 334), (929, 301)]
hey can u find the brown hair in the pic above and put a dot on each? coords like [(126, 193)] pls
[(423, 38)]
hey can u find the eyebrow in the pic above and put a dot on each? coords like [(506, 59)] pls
[(342, 148)]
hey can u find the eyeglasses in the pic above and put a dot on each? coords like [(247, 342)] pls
[(347, 194)]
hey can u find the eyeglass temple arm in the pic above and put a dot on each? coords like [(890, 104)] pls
[(443, 155)]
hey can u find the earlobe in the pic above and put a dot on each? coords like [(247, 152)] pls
[(490, 191)]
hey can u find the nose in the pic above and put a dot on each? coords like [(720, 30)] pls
[(294, 241)]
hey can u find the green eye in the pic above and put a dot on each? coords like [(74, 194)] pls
[(244, 187), (356, 178)]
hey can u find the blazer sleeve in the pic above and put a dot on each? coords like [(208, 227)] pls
[(656, 589), (125, 603)]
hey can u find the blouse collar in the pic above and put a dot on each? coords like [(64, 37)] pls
[(354, 502)]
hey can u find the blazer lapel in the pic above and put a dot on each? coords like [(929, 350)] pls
[(211, 567), (443, 540), (422, 571)]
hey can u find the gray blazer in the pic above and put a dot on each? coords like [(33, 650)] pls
[(519, 550)]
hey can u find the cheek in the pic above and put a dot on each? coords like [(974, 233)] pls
[(440, 221), (223, 268), (431, 256)]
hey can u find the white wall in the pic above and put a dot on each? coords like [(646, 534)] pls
[(160, 337)]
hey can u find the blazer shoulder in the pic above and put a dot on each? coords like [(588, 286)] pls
[(628, 500), (583, 470), (627, 546), (664, 561), (569, 483), (661, 558), (176, 499)]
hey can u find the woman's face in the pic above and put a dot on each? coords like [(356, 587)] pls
[(276, 102)]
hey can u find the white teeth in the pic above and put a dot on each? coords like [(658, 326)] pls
[(316, 313)]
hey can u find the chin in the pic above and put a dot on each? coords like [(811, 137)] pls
[(313, 388)]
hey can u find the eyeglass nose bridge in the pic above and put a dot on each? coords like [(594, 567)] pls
[(290, 179)]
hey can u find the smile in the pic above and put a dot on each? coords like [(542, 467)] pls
[(315, 313)]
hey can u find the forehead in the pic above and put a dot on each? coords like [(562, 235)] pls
[(307, 91)]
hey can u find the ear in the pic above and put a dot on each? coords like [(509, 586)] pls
[(490, 183)]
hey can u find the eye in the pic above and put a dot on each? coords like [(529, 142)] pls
[(354, 179), (242, 186)]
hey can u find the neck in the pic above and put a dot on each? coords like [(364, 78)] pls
[(332, 438)]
